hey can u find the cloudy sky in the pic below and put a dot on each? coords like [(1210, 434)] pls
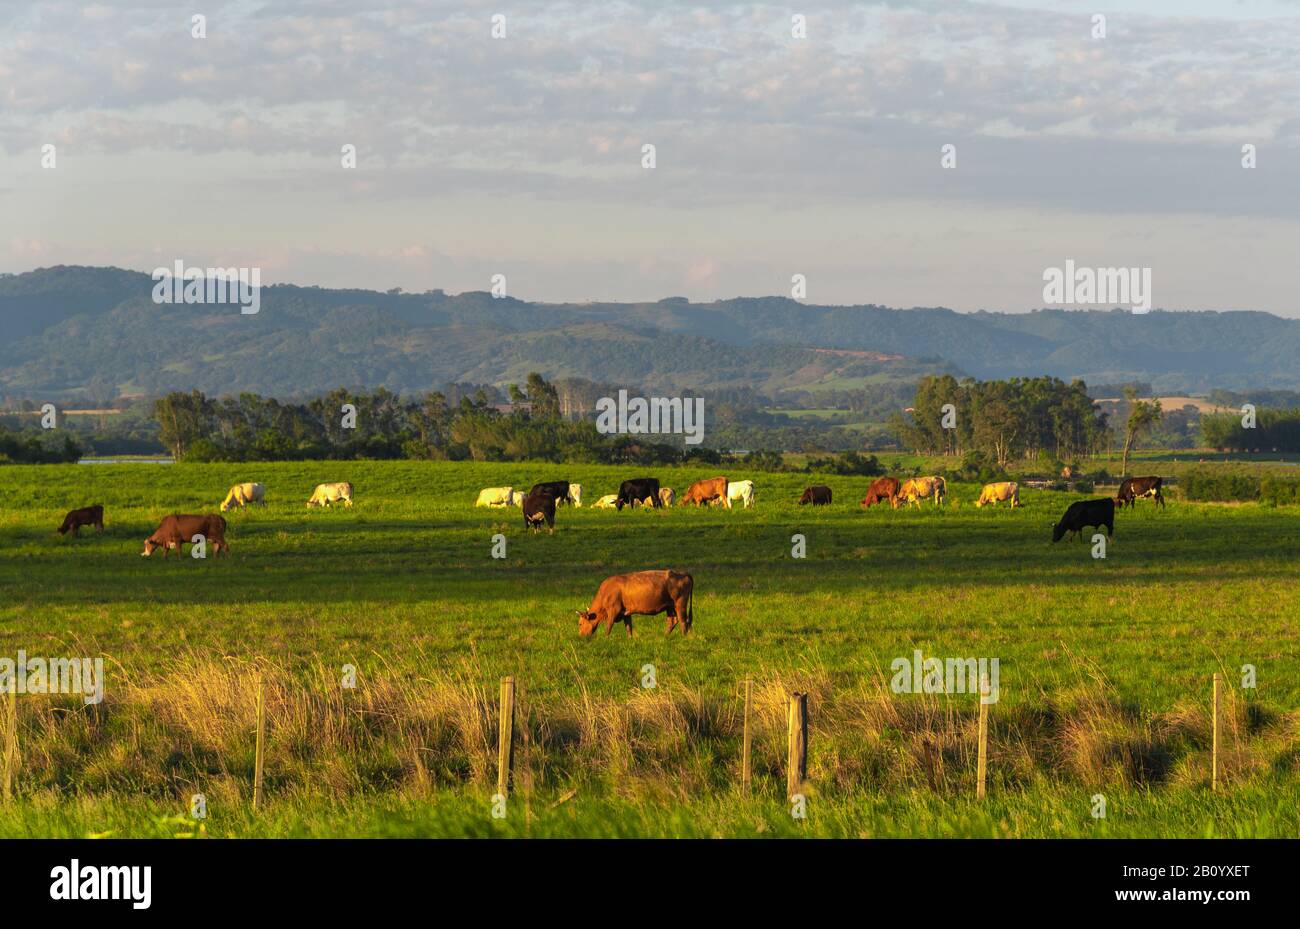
[(775, 155)]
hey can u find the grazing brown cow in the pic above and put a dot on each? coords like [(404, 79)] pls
[(646, 593), (539, 507), (882, 488), (174, 531), (702, 492), (817, 495), (86, 516)]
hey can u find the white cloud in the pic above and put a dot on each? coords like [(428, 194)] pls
[(460, 129)]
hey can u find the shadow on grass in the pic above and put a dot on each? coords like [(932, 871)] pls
[(341, 558)]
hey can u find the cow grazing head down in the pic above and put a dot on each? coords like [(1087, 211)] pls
[(587, 622)]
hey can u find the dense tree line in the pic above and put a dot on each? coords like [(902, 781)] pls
[(439, 425), (1273, 429), (1274, 399), (1017, 418), (37, 446)]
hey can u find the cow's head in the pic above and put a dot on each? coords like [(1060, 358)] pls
[(587, 622), (1058, 531), (149, 546), (64, 528)]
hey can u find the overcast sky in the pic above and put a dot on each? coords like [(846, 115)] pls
[(775, 155)]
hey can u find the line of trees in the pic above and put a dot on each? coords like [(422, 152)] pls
[(36, 446), (1006, 420), (381, 424), (1273, 429)]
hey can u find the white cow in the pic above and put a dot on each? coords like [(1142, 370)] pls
[(244, 494), (495, 496), (517, 498), (325, 494), (741, 490), (575, 494), (606, 502)]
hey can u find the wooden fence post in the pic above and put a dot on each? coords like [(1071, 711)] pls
[(1214, 728), (259, 753), (745, 766), (796, 744), (931, 763), (981, 770), (506, 736), (11, 745)]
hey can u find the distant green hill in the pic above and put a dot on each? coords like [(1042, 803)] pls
[(74, 329)]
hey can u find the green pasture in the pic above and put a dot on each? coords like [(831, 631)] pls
[(404, 583)]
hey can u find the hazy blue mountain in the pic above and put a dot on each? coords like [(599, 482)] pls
[(70, 329)]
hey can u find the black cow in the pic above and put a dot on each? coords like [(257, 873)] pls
[(817, 495), (634, 491), (539, 507), (557, 489), (1083, 513), (1133, 487)]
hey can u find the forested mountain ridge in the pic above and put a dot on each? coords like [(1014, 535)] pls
[(84, 330)]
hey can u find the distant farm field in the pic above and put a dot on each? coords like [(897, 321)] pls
[(1105, 664)]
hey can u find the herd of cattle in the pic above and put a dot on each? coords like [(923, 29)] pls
[(538, 504), (177, 529), (641, 593)]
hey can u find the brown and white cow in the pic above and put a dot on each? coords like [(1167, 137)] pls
[(539, 508), (642, 593), (1133, 487), (701, 492)]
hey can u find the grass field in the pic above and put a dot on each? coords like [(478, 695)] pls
[(1104, 664)]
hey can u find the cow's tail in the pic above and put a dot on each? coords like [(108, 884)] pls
[(690, 606)]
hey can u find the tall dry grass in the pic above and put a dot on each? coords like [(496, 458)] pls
[(191, 729)]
